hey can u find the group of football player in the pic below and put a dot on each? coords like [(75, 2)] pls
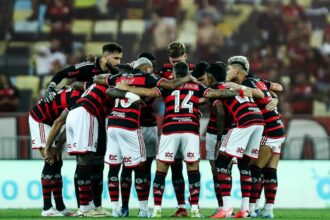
[(109, 119)]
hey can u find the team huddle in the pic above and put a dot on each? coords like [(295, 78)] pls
[(106, 117)]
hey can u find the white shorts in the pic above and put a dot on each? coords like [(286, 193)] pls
[(81, 131), (125, 146), (239, 141), (39, 133), (170, 144), (210, 142), (150, 137), (275, 144)]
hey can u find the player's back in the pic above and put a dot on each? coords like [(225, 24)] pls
[(243, 110), (95, 100), (47, 112), (274, 126), (125, 114), (181, 108)]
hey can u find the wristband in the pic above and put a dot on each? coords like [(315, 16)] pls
[(243, 87), (241, 92), (132, 97)]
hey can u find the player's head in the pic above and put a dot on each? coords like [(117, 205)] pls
[(149, 56), (180, 69), (176, 52), (238, 68), (200, 72), (217, 72), (112, 55), (143, 64)]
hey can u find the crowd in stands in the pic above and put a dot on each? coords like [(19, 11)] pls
[(286, 41)]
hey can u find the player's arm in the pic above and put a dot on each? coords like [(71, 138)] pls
[(58, 123), (102, 79), (220, 123), (175, 83), (276, 87), (256, 93), (226, 93), (272, 105), (82, 86), (140, 91), (117, 93)]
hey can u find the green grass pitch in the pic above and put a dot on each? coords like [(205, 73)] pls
[(306, 214)]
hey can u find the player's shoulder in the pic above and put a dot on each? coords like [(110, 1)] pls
[(85, 64)]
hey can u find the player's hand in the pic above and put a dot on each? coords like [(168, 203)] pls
[(193, 79), (140, 103), (248, 93), (50, 92), (49, 155), (122, 86), (272, 105), (232, 85)]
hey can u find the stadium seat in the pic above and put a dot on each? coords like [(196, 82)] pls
[(84, 3), (105, 30), (94, 48), (82, 27), (133, 26), (29, 82), (106, 26)]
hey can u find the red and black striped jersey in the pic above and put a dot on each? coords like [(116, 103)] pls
[(274, 126), (166, 71), (95, 100), (181, 108), (125, 114), (212, 124), (47, 113), (243, 111), (147, 117)]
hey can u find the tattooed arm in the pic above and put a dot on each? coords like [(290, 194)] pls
[(226, 93)]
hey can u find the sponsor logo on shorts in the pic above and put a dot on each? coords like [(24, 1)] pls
[(112, 157), (255, 151), (240, 150), (190, 154), (168, 155), (127, 159)]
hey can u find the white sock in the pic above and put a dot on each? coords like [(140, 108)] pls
[(252, 206), (245, 203), (194, 207), (143, 205), (157, 207), (84, 208), (182, 206), (257, 203), (227, 202), (92, 205), (269, 206), (115, 205)]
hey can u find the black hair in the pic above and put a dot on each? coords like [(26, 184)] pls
[(149, 56), (218, 70), (200, 69), (181, 69), (112, 47)]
